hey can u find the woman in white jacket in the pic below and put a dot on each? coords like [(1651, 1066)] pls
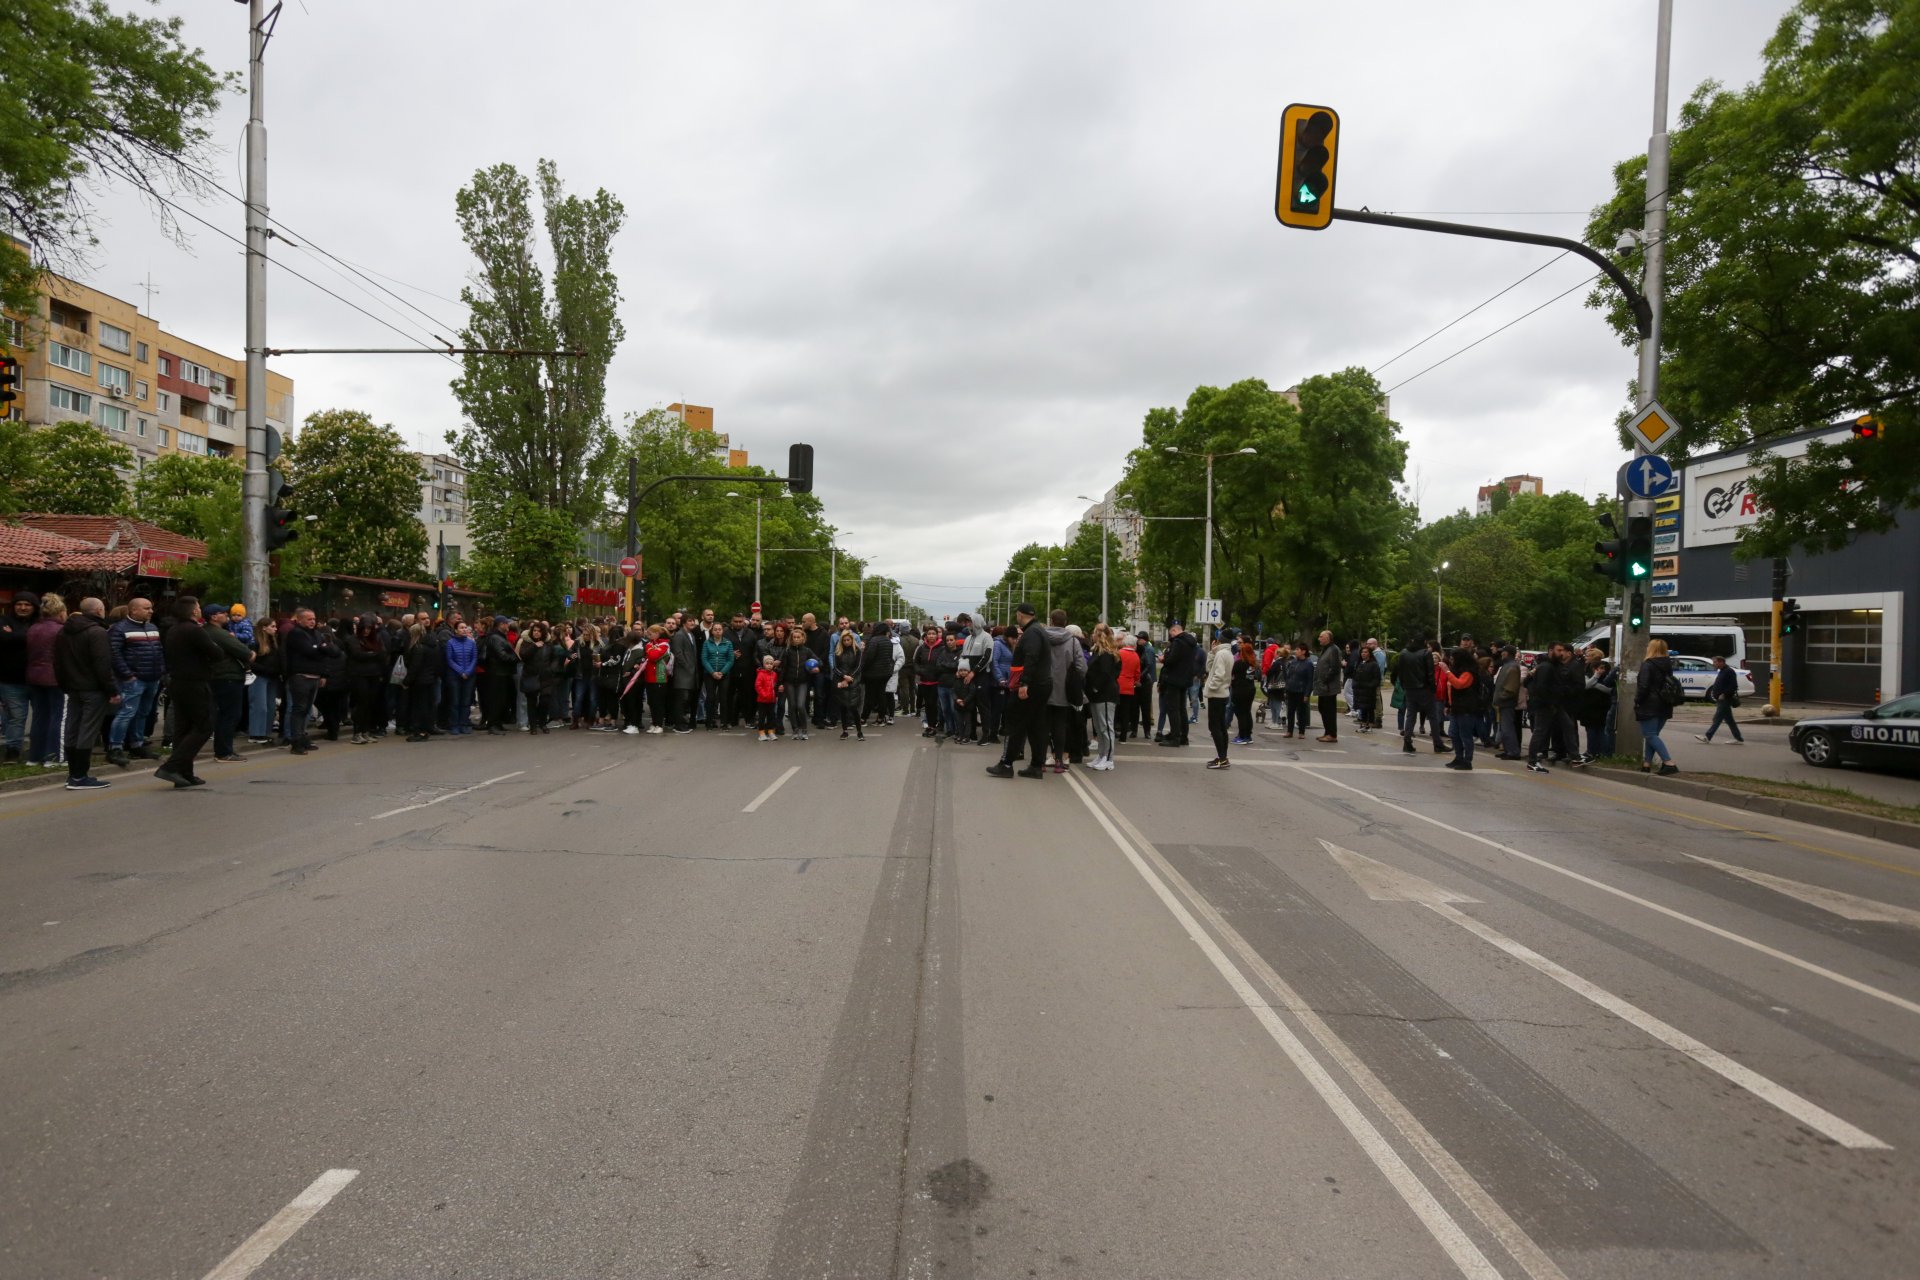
[(1218, 692)]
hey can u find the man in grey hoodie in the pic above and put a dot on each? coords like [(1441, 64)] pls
[(1066, 657)]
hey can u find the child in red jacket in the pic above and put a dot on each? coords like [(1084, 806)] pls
[(766, 692)]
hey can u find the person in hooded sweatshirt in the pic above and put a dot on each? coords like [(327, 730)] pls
[(23, 612), (1068, 662)]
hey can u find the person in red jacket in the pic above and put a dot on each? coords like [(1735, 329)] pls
[(766, 697), (1127, 712)]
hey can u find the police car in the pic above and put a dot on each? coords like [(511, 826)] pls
[(1696, 676), (1886, 735)]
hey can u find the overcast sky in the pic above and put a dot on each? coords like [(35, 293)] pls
[(962, 249)]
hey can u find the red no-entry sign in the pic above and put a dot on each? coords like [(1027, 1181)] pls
[(630, 566)]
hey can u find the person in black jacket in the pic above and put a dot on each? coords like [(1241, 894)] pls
[(1179, 663), (503, 665), (425, 665), (191, 654), (1413, 673), (83, 666), (1027, 709), (1653, 702), (876, 675), (1366, 686), (367, 669), (309, 651)]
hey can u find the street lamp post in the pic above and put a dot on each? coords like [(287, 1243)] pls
[(1439, 598), (1206, 587)]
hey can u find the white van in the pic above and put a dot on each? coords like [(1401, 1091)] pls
[(1695, 637)]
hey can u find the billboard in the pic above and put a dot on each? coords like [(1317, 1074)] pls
[(1720, 502)]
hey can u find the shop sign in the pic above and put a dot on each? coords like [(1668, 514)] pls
[(155, 563), (396, 600), (1665, 588)]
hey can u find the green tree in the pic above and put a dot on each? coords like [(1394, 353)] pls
[(1307, 529), (522, 554), (71, 468), (190, 494), (90, 94), (363, 484), (537, 425), (18, 460), (1793, 267)]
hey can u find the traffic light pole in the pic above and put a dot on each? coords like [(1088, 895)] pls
[(1775, 690), (1633, 640), (254, 590), (1643, 310)]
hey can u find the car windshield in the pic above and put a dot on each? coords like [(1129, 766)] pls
[(1907, 708)]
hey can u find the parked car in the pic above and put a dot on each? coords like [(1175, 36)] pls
[(1696, 676), (1886, 736)]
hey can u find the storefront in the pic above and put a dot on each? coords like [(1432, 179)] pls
[(1859, 603)]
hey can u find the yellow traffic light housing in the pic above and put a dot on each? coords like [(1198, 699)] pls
[(1309, 149)]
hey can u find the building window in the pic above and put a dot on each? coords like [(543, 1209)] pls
[(164, 401), (113, 418), (114, 378), (166, 366), (219, 417), (62, 356), (1844, 637), (140, 389), (68, 400), (13, 331), (222, 386), (140, 352), (163, 437), (114, 338), (140, 427), (187, 442), (68, 316)]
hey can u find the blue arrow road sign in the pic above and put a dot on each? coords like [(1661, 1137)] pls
[(1648, 476)]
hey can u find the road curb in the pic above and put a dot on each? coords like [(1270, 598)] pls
[(1860, 824), (56, 779)]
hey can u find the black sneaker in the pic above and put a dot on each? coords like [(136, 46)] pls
[(1668, 769), (1031, 772), (88, 783), (1000, 770), (164, 774), (1534, 766)]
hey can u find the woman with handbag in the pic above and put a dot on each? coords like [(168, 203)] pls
[(1654, 699), (535, 679)]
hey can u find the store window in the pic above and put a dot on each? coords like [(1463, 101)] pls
[(1844, 637)]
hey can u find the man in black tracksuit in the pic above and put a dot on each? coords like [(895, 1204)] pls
[(1027, 709), (1413, 676), (191, 654)]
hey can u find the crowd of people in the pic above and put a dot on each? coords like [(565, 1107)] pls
[(86, 681)]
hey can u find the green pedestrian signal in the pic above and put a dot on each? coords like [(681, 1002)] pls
[(1309, 151), (1639, 548)]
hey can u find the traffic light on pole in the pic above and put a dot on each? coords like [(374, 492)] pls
[(9, 384), (1790, 618), (1611, 561), (1637, 610), (281, 524), (800, 468), (1638, 550), (1309, 152), (1866, 427)]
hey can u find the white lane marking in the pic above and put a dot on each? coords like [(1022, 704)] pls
[(1753, 1082), (1841, 904), (1447, 1233), (767, 795), (1241, 762), (1851, 983), (451, 795), (1384, 883), (259, 1246)]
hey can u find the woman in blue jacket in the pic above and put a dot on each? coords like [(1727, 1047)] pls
[(716, 660)]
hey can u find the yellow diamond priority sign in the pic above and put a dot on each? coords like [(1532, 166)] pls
[(1653, 427)]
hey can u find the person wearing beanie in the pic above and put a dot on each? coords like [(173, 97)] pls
[(228, 683)]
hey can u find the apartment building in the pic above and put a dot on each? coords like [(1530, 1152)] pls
[(89, 356), (443, 508)]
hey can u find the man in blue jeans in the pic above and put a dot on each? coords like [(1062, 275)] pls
[(134, 643), (1724, 695)]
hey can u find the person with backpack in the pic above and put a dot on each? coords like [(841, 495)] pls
[(1725, 696), (1654, 699)]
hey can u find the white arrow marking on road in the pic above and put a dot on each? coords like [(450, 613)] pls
[(259, 1246), (1807, 1113), (1840, 904), (1383, 883)]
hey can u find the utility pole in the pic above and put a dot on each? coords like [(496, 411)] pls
[(633, 528), (1633, 641), (254, 588)]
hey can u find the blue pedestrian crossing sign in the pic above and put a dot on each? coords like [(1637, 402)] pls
[(1648, 476)]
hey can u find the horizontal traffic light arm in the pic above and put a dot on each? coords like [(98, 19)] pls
[(1642, 309)]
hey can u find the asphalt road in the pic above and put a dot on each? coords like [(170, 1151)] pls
[(593, 1005), (1765, 754)]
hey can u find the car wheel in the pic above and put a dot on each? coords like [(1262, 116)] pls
[(1817, 748)]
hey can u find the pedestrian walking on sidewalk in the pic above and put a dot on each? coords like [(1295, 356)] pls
[(1725, 696), (1654, 699)]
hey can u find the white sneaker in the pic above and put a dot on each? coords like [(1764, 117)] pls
[(1701, 737), (632, 728), (656, 729)]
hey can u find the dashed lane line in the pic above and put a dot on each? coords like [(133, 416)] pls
[(279, 1229)]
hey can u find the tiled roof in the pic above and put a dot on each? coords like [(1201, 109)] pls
[(99, 531), (78, 544), (38, 550)]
